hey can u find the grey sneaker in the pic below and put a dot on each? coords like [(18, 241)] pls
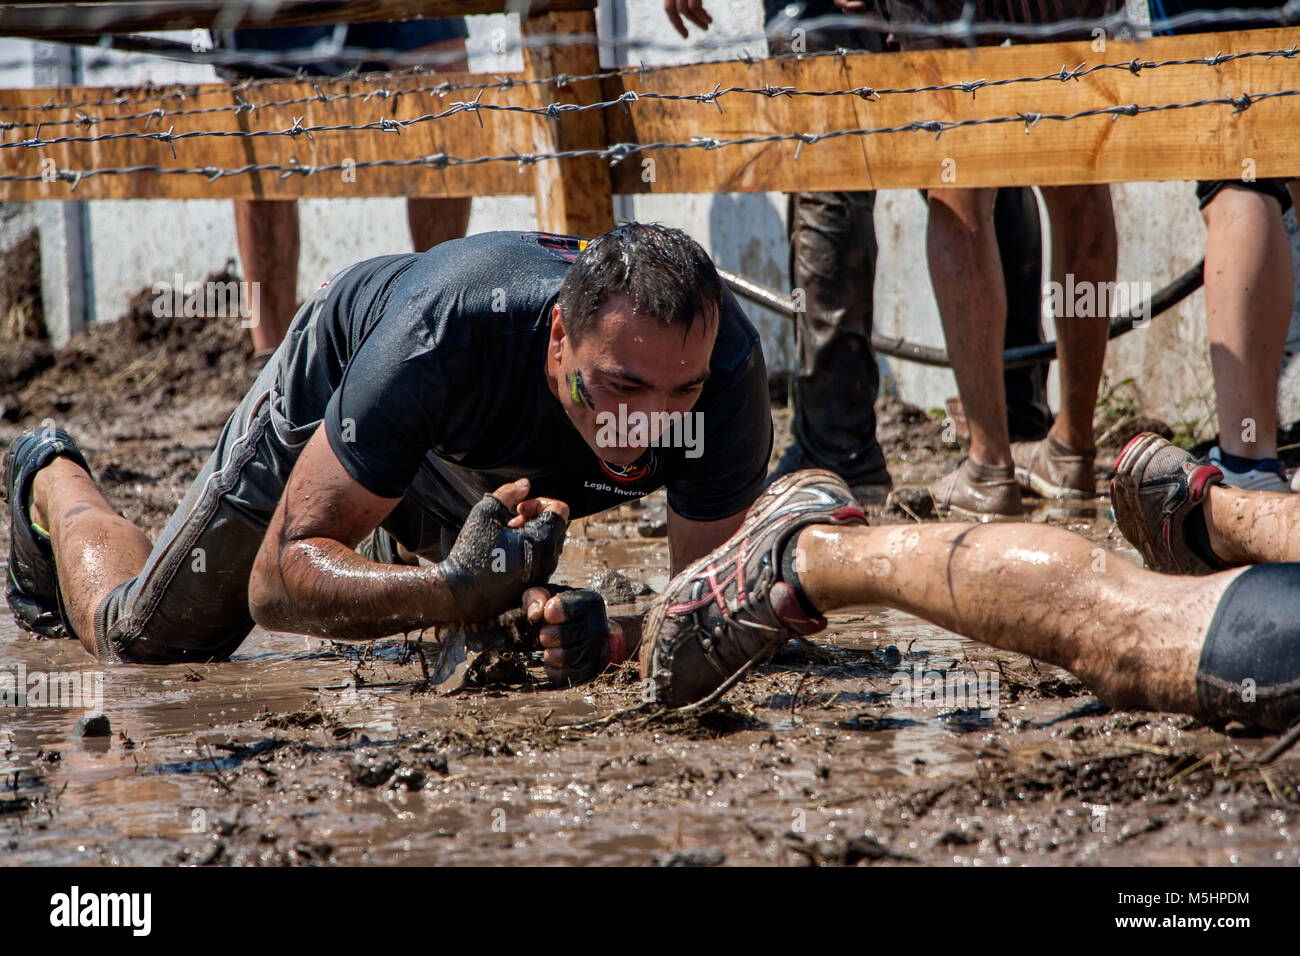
[(1054, 470), (1157, 487), (32, 584), (976, 492), (732, 606)]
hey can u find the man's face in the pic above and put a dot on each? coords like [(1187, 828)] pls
[(631, 361)]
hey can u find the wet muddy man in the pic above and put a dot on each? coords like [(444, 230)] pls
[(440, 406), (445, 406)]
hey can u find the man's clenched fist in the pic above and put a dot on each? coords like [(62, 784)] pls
[(575, 632), (508, 543)]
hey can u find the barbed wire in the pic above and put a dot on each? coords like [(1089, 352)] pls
[(556, 109), (965, 29), (617, 153), (504, 82)]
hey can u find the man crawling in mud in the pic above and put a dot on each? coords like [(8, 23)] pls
[(460, 406), (410, 385), (1217, 635)]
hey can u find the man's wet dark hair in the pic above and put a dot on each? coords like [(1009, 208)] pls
[(661, 272)]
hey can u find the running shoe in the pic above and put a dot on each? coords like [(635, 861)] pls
[(734, 607), (1157, 493), (1054, 470), (32, 584), (1267, 475), (976, 492)]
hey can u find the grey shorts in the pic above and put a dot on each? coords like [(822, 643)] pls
[(190, 602)]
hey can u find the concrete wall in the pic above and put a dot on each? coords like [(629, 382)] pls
[(137, 243)]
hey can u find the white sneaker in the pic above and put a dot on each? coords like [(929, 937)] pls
[(1257, 479)]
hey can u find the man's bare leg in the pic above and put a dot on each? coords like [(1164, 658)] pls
[(1253, 527), (95, 548), (1133, 636), (1083, 244), (267, 230), (1248, 301), (966, 274)]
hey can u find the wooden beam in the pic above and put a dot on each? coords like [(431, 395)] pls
[(1210, 142), (43, 20), (574, 196), (407, 98)]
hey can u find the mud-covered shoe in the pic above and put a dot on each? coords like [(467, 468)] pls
[(31, 583), (733, 606), (1157, 494), (1054, 470), (976, 492)]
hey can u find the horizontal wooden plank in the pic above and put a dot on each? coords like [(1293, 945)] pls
[(1205, 142), (1210, 142), (49, 20)]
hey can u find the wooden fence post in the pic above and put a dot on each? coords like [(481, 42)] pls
[(574, 196)]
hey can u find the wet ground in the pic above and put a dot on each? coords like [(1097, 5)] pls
[(303, 751)]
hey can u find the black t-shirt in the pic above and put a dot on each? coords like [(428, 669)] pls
[(436, 369)]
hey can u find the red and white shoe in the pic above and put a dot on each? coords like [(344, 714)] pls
[(731, 607), (1156, 487)]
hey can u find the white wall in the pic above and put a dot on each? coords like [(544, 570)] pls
[(136, 243)]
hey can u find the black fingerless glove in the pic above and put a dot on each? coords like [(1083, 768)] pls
[(584, 635), (491, 565)]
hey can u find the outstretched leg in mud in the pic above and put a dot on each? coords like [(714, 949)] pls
[(1222, 643), (1133, 636), (95, 548), (1219, 646)]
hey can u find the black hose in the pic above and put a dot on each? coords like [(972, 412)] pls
[(1163, 300)]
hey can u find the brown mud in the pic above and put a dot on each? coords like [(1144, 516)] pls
[(304, 751)]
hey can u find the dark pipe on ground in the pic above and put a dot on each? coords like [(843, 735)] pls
[(1163, 300)]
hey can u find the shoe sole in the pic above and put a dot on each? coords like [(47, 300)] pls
[(671, 600), (981, 517), (1125, 493), (1045, 489)]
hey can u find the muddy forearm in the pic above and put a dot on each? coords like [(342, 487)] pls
[(321, 587)]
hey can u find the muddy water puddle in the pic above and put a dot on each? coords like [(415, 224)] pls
[(889, 741)]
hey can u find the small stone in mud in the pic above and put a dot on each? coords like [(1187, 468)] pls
[(868, 845), (437, 763), (370, 769), (615, 587), (691, 858), (963, 835), (910, 504), (653, 528), (92, 725), (412, 778)]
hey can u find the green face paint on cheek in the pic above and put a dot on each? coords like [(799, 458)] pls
[(578, 391)]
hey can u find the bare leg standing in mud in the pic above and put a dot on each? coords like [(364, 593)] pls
[(1218, 646)]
